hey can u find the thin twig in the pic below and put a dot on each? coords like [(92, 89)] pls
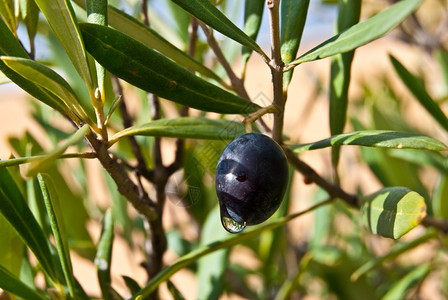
[(145, 12), (311, 176), (142, 203), (236, 82), (128, 122), (276, 65)]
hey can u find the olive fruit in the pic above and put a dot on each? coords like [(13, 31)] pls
[(251, 179)]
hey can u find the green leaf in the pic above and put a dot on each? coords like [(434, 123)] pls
[(4, 79), (442, 57), (54, 214), (400, 289), (340, 74), (396, 251), (137, 30), (378, 139), (30, 15), (15, 210), (104, 255), (253, 15), (292, 23), (436, 160), (194, 255), (14, 285), (393, 212), (439, 203), (119, 209), (28, 159), (131, 284), (62, 20), (182, 22), (8, 14), (212, 267), (49, 80), (42, 164), (362, 33), (11, 47), (97, 14), (152, 72), (186, 127), (177, 295), (417, 88), (205, 11), (36, 90), (70, 199), (11, 252)]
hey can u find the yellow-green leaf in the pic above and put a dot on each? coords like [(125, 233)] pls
[(61, 17), (393, 212)]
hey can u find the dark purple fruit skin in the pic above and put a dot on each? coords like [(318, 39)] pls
[(251, 178)]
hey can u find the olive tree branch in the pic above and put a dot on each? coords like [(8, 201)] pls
[(236, 82), (141, 201), (276, 66), (311, 176)]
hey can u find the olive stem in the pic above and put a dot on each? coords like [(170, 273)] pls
[(276, 64), (251, 118)]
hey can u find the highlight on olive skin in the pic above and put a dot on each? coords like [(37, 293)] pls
[(251, 180)]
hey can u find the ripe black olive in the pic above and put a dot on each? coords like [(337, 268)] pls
[(251, 180)]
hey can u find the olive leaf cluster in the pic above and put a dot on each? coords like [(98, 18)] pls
[(113, 81)]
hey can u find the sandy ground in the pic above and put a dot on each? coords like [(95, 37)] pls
[(306, 121)]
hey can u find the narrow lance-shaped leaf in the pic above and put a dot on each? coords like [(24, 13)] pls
[(442, 57), (152, 72), (41, 164), (253, 15), (104, 255), (27, 159), (378, 139), (340, 74), (440, 194), (15, 210), (4, 79), (11, 47), (12, 249), (361, 33), (396, 251), (205, 11), (49, 80), (8, 14), (393, 212), (177, 295), (402, 288), (137, 30), (97, 14), (13, 285), (30, 15), (212, 267), (417, 88), (194, 255), (50, 199), (293, 19), (187, 127), (61, 17)]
